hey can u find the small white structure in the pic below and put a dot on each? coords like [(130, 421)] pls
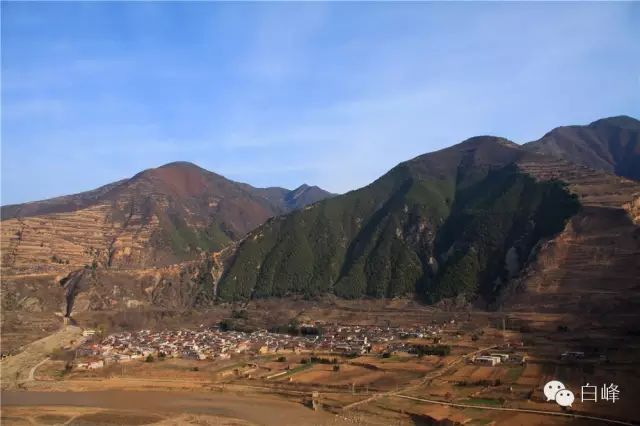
[(487, 360), (503, 357), (124, 358), (96, 364), (90, 365)]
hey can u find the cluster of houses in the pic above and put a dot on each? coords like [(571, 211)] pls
[(213, 343), (363, 339)]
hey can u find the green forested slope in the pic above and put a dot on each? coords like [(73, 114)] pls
[(436, 226)]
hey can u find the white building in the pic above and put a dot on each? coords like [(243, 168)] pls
[(487, 360), (503, 357)]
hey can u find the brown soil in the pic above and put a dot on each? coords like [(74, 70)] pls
[(158, 405)]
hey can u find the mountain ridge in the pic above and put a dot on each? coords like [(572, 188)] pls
[(32, 208), (160, 216), (485, 221), (462, 221), (611, 144)]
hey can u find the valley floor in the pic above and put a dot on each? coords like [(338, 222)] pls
[(402, 389)]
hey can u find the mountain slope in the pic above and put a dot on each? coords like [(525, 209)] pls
[(438, 225), (159, 216), (470, 220), (485, 220), (592, 267), (611, 144)]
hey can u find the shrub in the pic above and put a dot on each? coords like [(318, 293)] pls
[(319, 360), (60, 354), (282, 359), (440, 350), (227, 324), (240, 314), (149, 358)]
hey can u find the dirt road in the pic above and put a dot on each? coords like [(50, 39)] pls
[(19, 369), (32, 372)]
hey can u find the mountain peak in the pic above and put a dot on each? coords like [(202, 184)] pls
[(180, 164), (477, 141), (304, 195), (484, 142), (622, 121), (161, 215), (185, 167), (611, 144)]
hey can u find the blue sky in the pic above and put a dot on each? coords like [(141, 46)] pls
[(282, 93)]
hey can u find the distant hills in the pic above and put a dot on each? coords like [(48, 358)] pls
[(159, 216)]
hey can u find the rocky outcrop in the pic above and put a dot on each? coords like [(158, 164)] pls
[(182, 286)]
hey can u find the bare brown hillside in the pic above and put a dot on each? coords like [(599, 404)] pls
[(160, 216), (611, 144), (593, 266)]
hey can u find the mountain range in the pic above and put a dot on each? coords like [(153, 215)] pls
[(554, 222), (159, 216), (463, 222)]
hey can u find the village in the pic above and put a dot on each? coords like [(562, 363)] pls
[(214, 343), (336, 366)]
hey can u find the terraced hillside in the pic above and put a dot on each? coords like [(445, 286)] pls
[(593, 265), (485, 221), (160, 216), (611, 144), (34, 304)]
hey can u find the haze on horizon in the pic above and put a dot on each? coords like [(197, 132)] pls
[(282, 94)]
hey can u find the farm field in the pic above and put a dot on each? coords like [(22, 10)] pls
[(367, 388)]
